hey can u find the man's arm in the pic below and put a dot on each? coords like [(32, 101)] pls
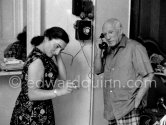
[(146, 83), (144, 69)]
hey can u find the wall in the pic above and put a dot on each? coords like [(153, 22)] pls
[(8, 95), (72, 109), (7, 33), (105, 9)]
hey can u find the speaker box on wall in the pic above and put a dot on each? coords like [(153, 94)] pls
[(77, 7)]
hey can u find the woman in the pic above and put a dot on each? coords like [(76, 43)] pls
[(17, 49), (41, 70)]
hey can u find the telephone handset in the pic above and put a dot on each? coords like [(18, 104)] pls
[(103, 45)]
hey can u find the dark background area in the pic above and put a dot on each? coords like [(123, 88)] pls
[(148, 21)]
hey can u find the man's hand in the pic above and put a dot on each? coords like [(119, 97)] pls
[(146, 81), (99, 41)]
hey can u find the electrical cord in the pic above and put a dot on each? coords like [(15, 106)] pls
[(89, 74), (73, 57), (69, 55), (84, 54)]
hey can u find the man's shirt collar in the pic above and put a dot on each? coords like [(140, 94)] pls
[(123, 41)]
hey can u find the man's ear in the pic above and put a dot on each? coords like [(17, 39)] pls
[(120, 31)]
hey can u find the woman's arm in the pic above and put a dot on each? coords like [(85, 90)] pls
[(61, 67), (35, 77)]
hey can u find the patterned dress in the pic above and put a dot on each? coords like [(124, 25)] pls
[(16, 50), (28, 112)]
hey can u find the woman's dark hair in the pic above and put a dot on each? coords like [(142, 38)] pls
[(22, 37), (51, 33)]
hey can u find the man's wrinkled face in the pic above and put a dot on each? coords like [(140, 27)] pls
[(111, 34)]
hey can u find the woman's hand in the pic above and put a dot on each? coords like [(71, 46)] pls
[(65, 88)]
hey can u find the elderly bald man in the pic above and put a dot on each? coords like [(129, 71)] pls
[(127, 74)]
